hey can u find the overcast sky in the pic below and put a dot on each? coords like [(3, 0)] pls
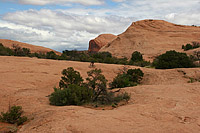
[(70, 24)]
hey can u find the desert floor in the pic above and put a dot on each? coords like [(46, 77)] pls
[(164, 103)]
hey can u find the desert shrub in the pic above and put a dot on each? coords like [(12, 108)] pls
[(136, 56), (135, 75), (5, 51), (172, 59), (127, 78), (112, 98), (96, 81), (189, 46), (72, 90), (51, 55), (72, 95), (121, 81), (101, 55), (72, 53), (18, 51), (140, 63), (70, 76), (13, 116)]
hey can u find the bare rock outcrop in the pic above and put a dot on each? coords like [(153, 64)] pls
[(33, 48), (152, 38), (96, 44)]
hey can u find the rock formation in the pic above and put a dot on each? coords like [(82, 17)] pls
[(152, 38), (96, 44), (33, 48)]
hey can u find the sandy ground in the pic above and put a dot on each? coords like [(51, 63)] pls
[(164, 103)]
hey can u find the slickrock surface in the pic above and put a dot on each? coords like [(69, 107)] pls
[(164, 103)]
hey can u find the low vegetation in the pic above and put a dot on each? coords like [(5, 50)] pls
[(191, 46), (13, 116), (83, 56), (73, 91), (172, 59), (127, 78), (137, 60)]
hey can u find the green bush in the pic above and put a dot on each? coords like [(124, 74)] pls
[(189, 46), (51, 55), (140, 63), (128, 78), (72, 90), (13, 116), (135, 75), (121, 81), (18, 51), (5, 51), (70, 76), (136, 56), (97, 83), (73, 95), (172, 59)]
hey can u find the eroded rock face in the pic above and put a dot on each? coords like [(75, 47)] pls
[(96, 44), (152, 38)]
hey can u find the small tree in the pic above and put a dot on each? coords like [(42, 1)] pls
[(73, 95), (127, 78), (13, 116), (70, 76), (136, 75), (97, 82), (172, 59), (188, 47), (51, 55), (73, 91), (136, 56)]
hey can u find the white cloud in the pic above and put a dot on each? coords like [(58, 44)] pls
[(56, 29), (73, 27), (61, 2), (184, 18)]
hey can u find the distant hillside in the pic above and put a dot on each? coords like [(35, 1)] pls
[(152, 38), (33, 48)]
